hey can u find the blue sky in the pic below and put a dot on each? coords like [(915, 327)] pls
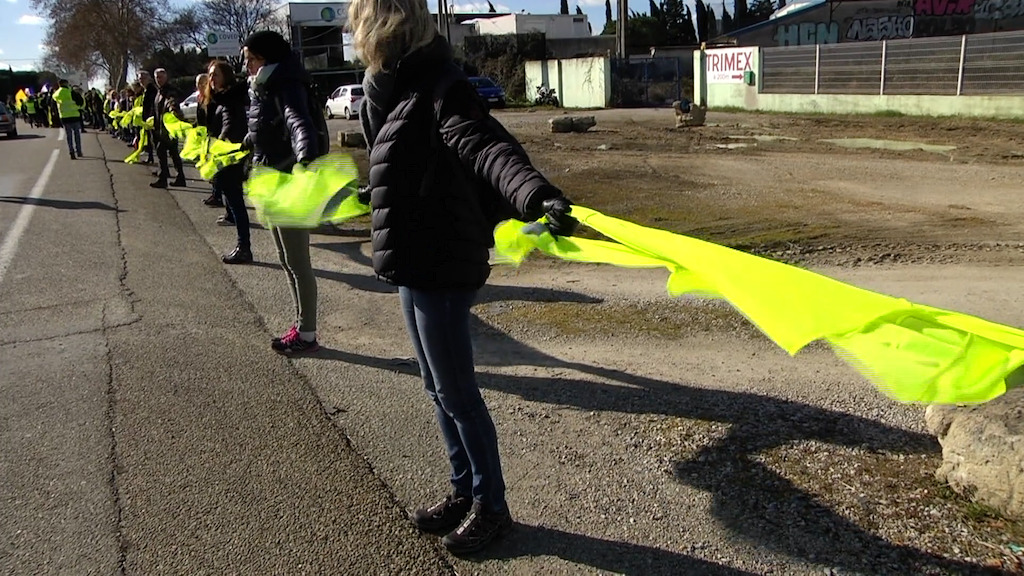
[(22, 29)]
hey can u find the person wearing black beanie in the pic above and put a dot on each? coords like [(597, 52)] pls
[(269, 45), (283, 132)]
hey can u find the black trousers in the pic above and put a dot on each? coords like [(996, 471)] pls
[(163, 147)]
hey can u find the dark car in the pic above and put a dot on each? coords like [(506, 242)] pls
[(493, 94)]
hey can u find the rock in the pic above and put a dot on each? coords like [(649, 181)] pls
[(694, 117), (563, 124), (604, 147), (983, 450), (583, 123), (351, 139)]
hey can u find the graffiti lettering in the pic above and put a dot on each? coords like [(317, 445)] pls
[(881, 28), (925, 27), (905, 3), (807, 33), (998, 9), (943, 7)]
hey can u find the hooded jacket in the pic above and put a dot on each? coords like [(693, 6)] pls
[(281, 131), (442, 173)]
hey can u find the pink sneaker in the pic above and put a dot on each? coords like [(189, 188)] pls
[(293, 344), (292, 332)]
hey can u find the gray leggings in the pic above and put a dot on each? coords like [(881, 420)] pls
[(293, 250)]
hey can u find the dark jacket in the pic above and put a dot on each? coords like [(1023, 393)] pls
[(166, 101), (149, 101), (440, 182), (225, 114), (281, 131)]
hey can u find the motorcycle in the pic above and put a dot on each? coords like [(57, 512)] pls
[(546, 96)]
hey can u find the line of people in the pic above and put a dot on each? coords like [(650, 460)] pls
[(443, 172)]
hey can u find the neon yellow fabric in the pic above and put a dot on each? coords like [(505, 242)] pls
[(306, 198), (177, 129), (219, 155), (195, 143), (66, 106), (143, 140), (913, 353)]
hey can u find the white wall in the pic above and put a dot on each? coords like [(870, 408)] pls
[(578, 82), (551, 25)]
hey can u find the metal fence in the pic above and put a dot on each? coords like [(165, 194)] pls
[(976, 64), (646, 81)]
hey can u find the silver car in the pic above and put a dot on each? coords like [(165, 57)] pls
[(8, 122), (188, 107)]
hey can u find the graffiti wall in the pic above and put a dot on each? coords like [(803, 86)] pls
[(871, 20)]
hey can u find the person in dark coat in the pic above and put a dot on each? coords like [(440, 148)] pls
[(148, 109), (282, 134), (224, 102), (442, 174), (167, 100)]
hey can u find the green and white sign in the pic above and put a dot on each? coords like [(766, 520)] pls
[(222, 43)]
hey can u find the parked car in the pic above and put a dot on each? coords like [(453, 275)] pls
[(493, 94), (8, 122), (344, 101), (189, 106)]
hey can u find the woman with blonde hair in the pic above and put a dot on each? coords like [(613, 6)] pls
[(442, 173)]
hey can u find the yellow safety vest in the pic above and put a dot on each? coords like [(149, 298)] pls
[(65, 103), (30, 107)]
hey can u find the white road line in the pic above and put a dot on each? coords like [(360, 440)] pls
[(60, 134), (10, 244)]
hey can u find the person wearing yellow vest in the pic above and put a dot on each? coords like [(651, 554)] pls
[(70, 117), (28, 108)]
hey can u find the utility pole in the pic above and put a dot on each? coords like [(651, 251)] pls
[(620, 28), (443, 18)]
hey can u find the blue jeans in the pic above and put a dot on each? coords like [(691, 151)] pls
[(438, 322), (73, 129)]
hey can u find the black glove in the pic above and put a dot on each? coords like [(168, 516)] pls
[(363, 195), (556, 212)]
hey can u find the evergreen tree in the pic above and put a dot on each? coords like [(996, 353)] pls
[(656, 11), (759, 11), (727, 24), (564, 9), (578, 9), (690, 35), (490, 7), (781, 5), (713, 31), (607, 14), (701, 32), (674, 15), (740, 18)]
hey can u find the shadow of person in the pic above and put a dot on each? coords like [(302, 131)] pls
[(605, 555), (60, 204), (750, 499)]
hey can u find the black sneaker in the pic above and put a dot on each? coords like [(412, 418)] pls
[(212, 200), (443, 516), (179, 182), (161, 183), (238, 256), (477, 530), (223, 220)]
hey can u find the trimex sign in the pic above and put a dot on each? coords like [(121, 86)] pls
[(727, 65)]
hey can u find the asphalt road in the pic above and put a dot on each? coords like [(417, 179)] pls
[(146, 428)]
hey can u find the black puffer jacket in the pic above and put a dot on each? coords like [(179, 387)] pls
[(282, 136), (440, 182), (225, 114)]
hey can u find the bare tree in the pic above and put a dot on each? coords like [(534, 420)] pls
[(242, 16), (185, 27), (94, 35)]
